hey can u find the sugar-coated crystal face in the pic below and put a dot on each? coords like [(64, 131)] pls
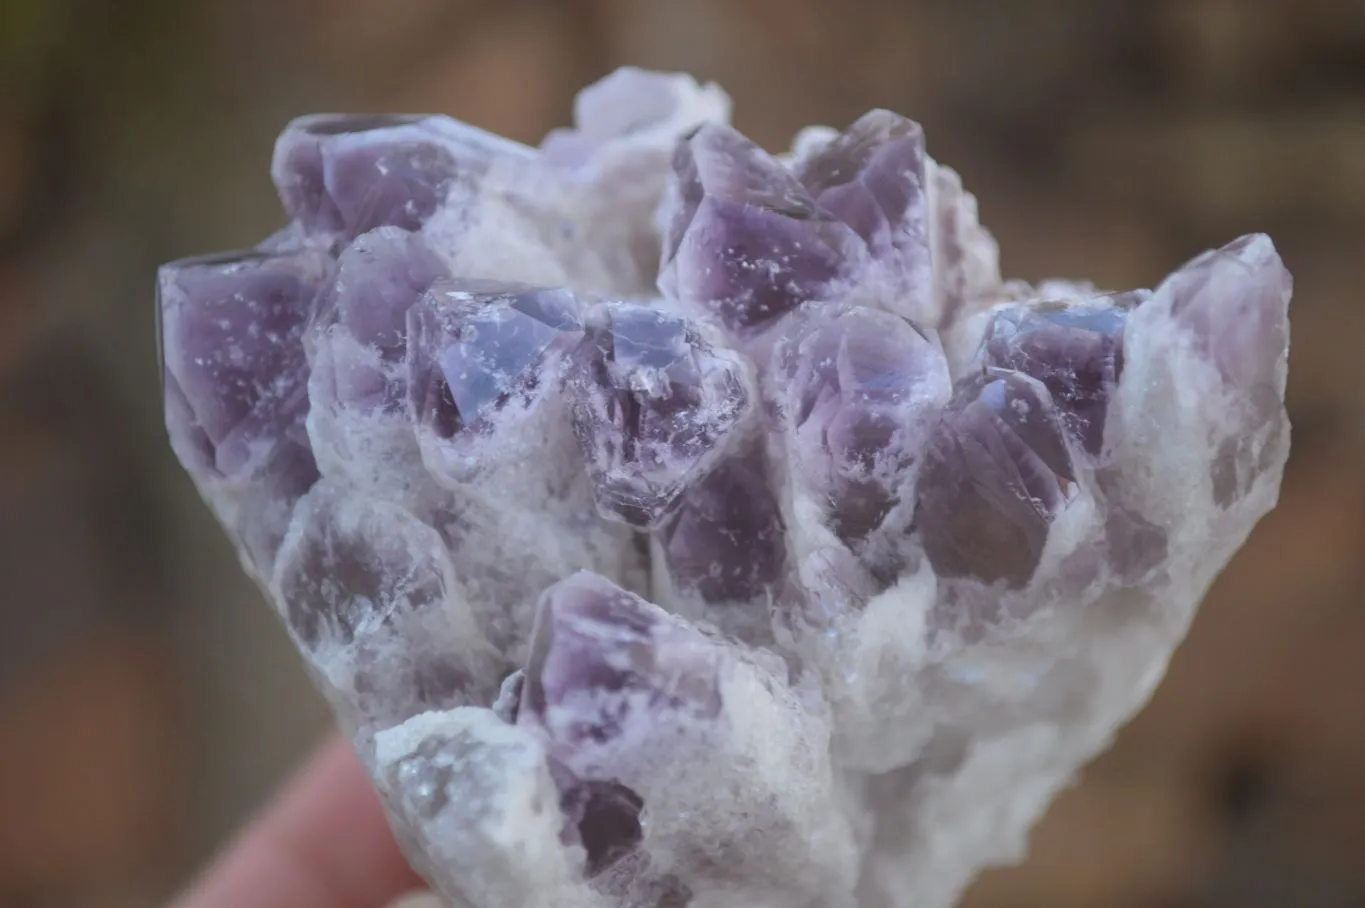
[(654, 406), (671, 523)]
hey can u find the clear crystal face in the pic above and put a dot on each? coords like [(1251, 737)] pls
[(746, 589), (474, 345), (1075, 350)]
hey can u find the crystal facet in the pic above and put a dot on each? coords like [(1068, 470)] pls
[(654, 406), (725, 543), (477, 347), (997, 472), (746, 241), (1076, 351), (873, 178), (670, 523), (858, 391), (344, 174)]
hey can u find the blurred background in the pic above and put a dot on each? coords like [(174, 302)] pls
[(147, 699)]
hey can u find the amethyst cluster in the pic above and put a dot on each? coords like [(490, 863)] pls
[(671, 523)]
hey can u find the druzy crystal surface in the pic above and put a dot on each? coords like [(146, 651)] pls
[(671, 523)]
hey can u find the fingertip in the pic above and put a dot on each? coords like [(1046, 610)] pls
[(322, 842)]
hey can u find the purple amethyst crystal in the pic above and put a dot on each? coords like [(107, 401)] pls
[(605, 668), (1075, 350), (920, 539), (745, 240), (858, 390), (232, 328), (1234, 304), (378, 279), (872, 177), (1234, 301), (726, 543), (475, 345), (997, 472), (357, 341), (348, 174), (235, 378), (603, 659), (653, 408)]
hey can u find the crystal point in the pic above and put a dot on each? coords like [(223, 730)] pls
[(603, 659), (872, 177), (857, 391), (235, 379), (1235, 302), (746, 242), (654, 406), (476, 348), (1075, 350), (726, 541), (346, 175)]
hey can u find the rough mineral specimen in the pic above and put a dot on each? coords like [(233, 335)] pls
[(674, 524)]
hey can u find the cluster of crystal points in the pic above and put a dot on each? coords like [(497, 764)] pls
[(673, 524)]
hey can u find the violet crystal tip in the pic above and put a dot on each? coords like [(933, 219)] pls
[(674, 523)]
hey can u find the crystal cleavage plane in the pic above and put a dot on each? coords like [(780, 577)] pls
[(672, 524)]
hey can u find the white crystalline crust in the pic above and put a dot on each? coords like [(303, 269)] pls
[(882, 759)]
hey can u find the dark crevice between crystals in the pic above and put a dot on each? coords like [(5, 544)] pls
[(601, 815), (445, 422), (610, 828)]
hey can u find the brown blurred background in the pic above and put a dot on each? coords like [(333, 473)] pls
[(147, 700)]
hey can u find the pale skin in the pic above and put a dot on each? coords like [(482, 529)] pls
[(322, 842)]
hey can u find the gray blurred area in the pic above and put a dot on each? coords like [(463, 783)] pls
[(148, 701)]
